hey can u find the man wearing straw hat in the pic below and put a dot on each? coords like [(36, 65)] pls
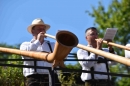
[(100, 65), (35, 76)]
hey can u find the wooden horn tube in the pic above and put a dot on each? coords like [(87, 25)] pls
[(116, 45), (111, 56), (64, 44), (32, 54)]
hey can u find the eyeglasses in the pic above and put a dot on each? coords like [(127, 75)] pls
[(93, 34)]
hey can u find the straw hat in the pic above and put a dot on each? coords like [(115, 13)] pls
[(35, 22)]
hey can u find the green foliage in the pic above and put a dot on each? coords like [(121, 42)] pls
[(121, 69), (76, 66), (116, 15), (123, 82), (10, 76), (67, 80), (4, 55), (14, 56), (71, 78)]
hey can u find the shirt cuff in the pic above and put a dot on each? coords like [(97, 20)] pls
[(37, 42), (111, 51)]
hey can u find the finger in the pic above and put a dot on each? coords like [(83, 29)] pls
[(101, 40)]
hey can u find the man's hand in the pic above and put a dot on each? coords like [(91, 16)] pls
[(111, 50), (41, 36), (109, 46), (99, 43)]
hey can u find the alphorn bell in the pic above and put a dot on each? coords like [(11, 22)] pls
[(64, 44), (65, 41)]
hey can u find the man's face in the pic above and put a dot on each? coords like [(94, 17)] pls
[(37, 29), (91, 35)]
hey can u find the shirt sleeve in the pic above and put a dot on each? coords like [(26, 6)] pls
[(127, 52), (28, 46), (83, 55)]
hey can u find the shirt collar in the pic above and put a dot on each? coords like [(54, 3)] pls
[(32, 40), (89, 45), (35, 40)]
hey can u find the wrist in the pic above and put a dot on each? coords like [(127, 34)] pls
[(111, 50)]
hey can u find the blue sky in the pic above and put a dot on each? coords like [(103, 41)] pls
[(17, 15)]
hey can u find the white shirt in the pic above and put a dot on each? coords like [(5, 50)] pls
[(86, 65), (35, 45), (127, 52)]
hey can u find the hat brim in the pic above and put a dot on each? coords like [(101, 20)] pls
[(30, 27)]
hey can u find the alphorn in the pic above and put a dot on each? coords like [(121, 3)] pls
[(111, 56), (116, 45), (65, 41)]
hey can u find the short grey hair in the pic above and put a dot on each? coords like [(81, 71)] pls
[(90, 28)]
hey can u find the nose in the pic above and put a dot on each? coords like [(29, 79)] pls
[(95, 36)]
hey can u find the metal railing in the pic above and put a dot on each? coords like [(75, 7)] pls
[(51, 70)]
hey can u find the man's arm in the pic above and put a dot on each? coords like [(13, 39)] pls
[(83, 55), (30, 46)]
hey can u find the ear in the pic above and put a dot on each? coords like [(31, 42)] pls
[(86, 38), (33, 32)]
